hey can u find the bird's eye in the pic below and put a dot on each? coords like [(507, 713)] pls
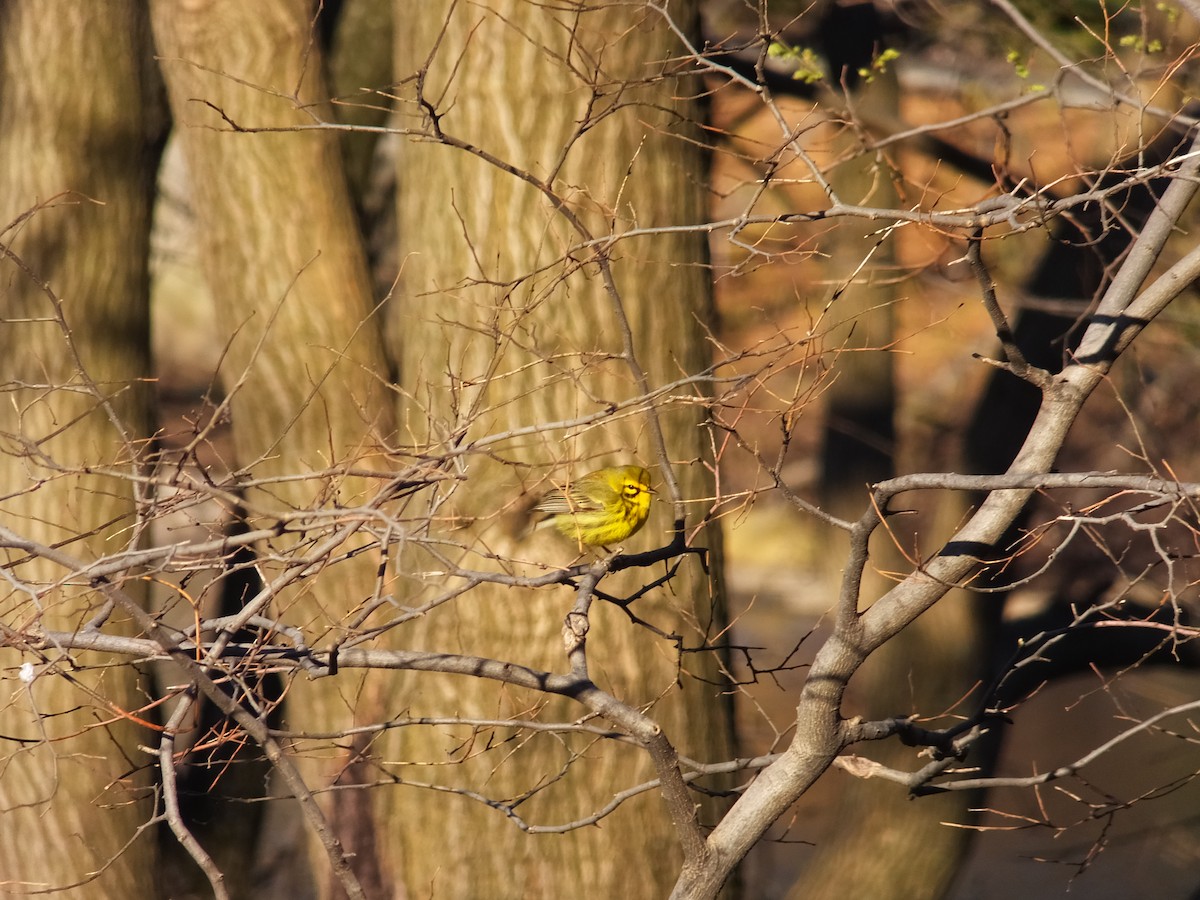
[(633, 490)]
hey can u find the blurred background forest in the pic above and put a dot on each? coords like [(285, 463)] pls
[(302, 159)]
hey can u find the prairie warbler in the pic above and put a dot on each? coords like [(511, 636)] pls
[(602, 507)]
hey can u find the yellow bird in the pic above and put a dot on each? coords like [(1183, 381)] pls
[(602, 507)]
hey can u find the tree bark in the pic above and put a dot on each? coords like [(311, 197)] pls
[(304, 362), (498, 329), (81, 120)]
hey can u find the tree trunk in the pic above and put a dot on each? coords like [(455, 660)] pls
[(81, 120), (497, 330), (304, 361)]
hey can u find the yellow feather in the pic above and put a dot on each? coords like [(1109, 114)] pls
[(601, 508)]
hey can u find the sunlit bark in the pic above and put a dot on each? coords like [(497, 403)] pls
[(80, 124)]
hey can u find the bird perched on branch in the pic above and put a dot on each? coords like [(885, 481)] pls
[(602, 507)]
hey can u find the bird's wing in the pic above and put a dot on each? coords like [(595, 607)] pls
[(590, 494), (553, 504), (580, 499)]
